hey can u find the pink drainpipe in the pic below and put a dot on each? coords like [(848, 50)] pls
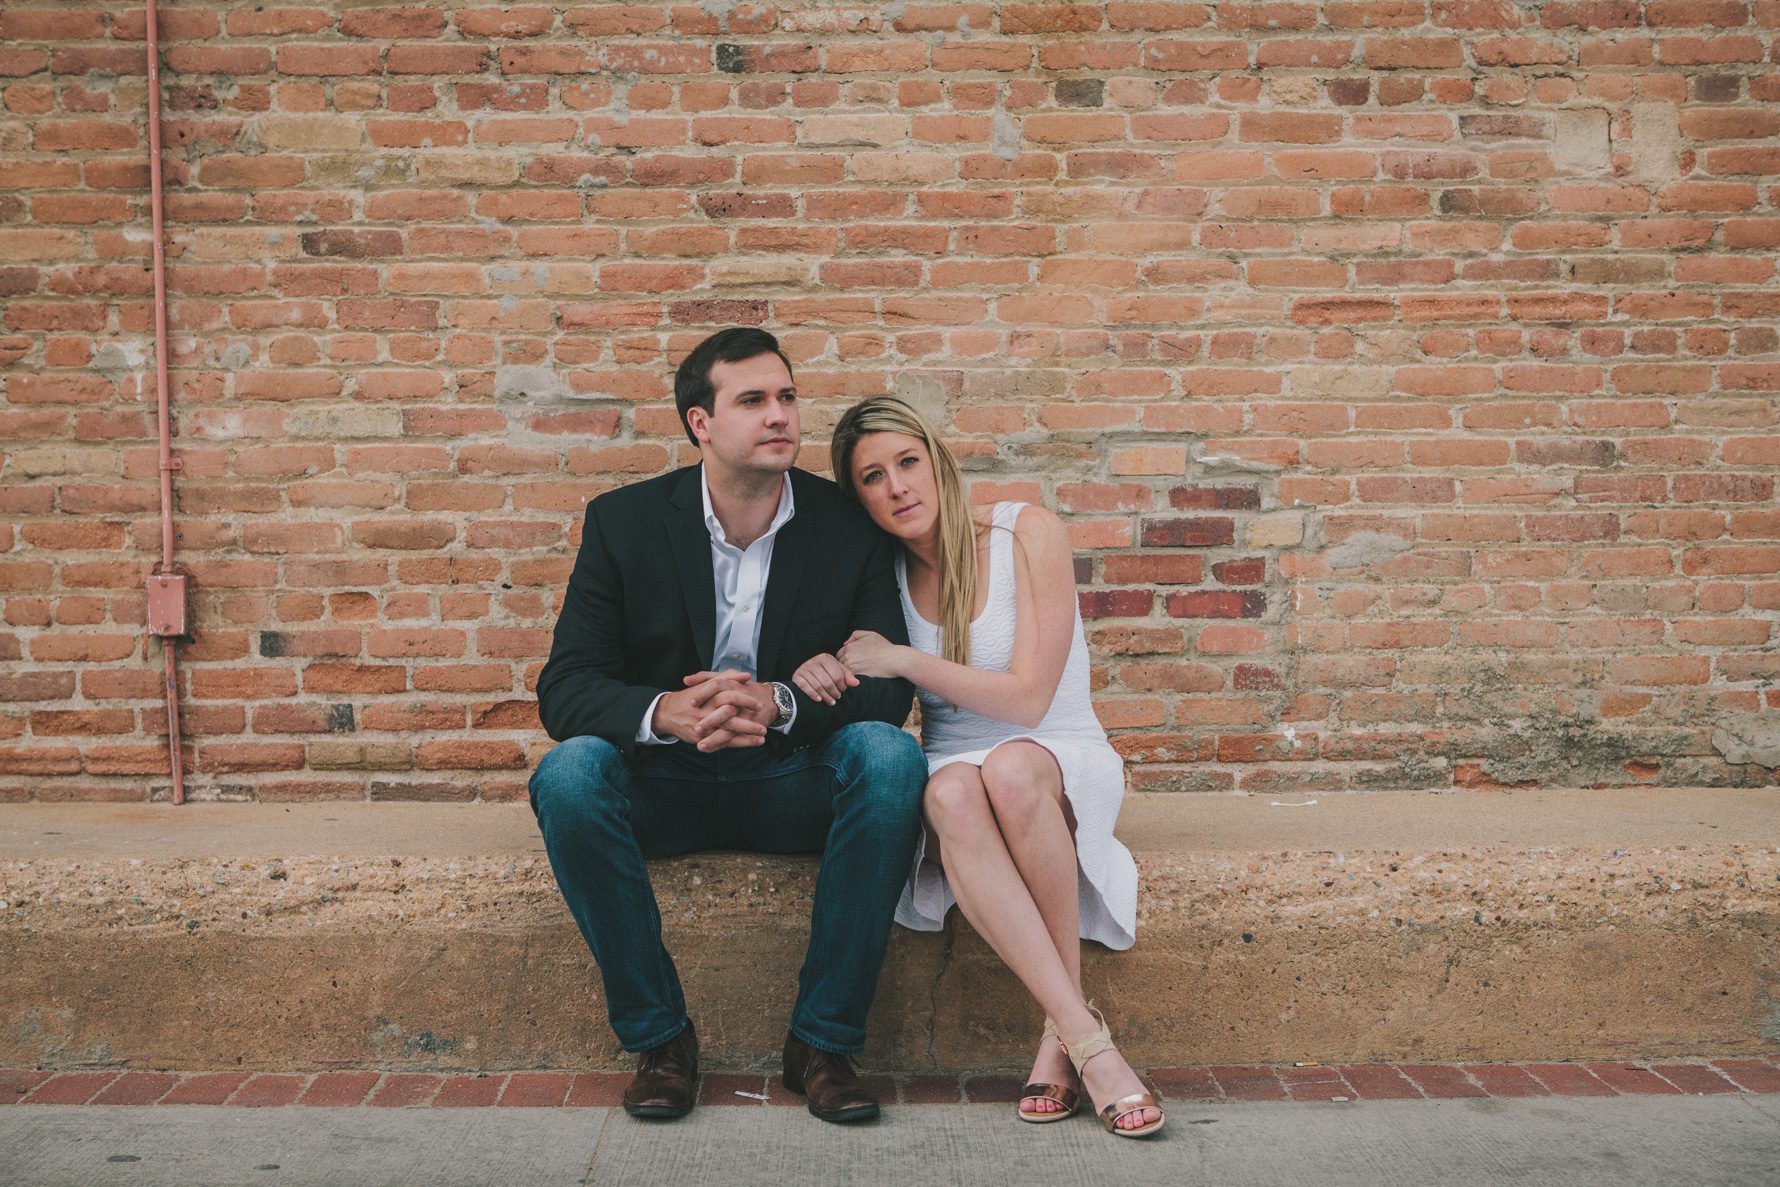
[(166, 587)]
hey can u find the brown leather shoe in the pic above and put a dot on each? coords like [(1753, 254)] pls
[(829, 1081), (667, 1078)]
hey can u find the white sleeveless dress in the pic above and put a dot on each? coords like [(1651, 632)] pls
[(1093, 772)]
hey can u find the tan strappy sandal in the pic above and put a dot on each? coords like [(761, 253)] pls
[(1098, 1043), (1066, 1097)]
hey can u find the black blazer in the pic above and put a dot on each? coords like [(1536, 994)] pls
[(641, 609)]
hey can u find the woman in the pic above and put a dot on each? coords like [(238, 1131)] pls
[(1022, 787)]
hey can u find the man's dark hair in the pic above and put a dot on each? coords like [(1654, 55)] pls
[(692, 382)]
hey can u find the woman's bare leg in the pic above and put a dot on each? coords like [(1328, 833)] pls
[(1025, 791), (995, 899)]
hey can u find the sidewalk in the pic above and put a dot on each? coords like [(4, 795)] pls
[(1695, 1122), (1729, 1140)]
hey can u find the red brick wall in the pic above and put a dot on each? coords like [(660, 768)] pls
[(1405, 370)]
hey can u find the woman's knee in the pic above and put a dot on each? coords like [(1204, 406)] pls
[(955, 803), (577, 773), (1020, 779)]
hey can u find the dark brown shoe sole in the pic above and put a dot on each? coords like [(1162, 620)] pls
[(657, 1112)]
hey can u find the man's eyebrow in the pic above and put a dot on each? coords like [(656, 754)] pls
[(761, 391)]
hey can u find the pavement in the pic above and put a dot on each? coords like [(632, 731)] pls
[(1729, 1139)]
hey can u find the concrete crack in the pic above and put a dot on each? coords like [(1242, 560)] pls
[(599, 1143), (945, 963)]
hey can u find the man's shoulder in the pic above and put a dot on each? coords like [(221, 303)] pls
[(634, 496), (819, 494)]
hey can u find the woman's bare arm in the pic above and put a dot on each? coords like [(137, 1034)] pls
[(1044, 627)]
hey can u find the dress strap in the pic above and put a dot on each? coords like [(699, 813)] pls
[(1005, 515), (1001, 549)]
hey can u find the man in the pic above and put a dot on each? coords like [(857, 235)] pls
[(694, 598)]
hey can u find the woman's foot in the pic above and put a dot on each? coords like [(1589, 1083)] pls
[(1107, 1078), (1051, 1067)]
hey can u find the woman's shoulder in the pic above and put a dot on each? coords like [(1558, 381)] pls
[(1036, 527)]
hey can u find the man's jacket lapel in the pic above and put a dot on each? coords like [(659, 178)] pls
[(691, 544), (791, 548)]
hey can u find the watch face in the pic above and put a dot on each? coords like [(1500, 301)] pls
[(787, 704)]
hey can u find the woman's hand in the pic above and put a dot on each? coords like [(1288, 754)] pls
[(824, 678), (867, 653)]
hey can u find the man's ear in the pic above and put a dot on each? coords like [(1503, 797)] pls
[(698, 420)]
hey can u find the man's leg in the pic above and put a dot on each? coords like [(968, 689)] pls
[(857, 798), (597, 833)]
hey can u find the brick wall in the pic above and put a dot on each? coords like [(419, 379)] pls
[(1404, 370)]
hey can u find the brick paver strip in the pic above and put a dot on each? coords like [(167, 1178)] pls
[(596, 1090), (1184, 1083), (1631, 1079), (537, 1089), (1751, 1075), (270, 1089), (1359, 1081), (1694, 1078), (931, 1090), (1569, 1079), (1313, 1083), (1309, 1074), (994, 1090), (205, 1088), (473, 1092), (722, 1089), (1249, 1083), (1440, 1081), (399, 1090), (14, 1084), (338, 1090), (778, 1094), (137, 1088), (70, 1088), (1505, 1080), (1378, 1081)]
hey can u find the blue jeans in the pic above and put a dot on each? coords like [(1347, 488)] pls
[(855, 798)]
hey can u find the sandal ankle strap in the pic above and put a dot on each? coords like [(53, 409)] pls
[(1095, 1042)]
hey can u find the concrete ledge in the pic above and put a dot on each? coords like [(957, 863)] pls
[(1387, 926)]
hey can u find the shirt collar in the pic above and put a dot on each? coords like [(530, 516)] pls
[(784, 513)]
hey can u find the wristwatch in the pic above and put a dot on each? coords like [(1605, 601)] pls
[(787, 705)]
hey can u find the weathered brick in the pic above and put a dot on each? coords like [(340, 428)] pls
[(1483, 347)]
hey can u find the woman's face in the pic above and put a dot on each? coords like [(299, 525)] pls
[(894, 479)]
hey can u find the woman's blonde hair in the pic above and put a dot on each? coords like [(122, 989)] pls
[(957, 530)]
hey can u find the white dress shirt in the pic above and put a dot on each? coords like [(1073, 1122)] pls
[(739, 576)]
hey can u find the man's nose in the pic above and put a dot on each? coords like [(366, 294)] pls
[(777, 413)]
